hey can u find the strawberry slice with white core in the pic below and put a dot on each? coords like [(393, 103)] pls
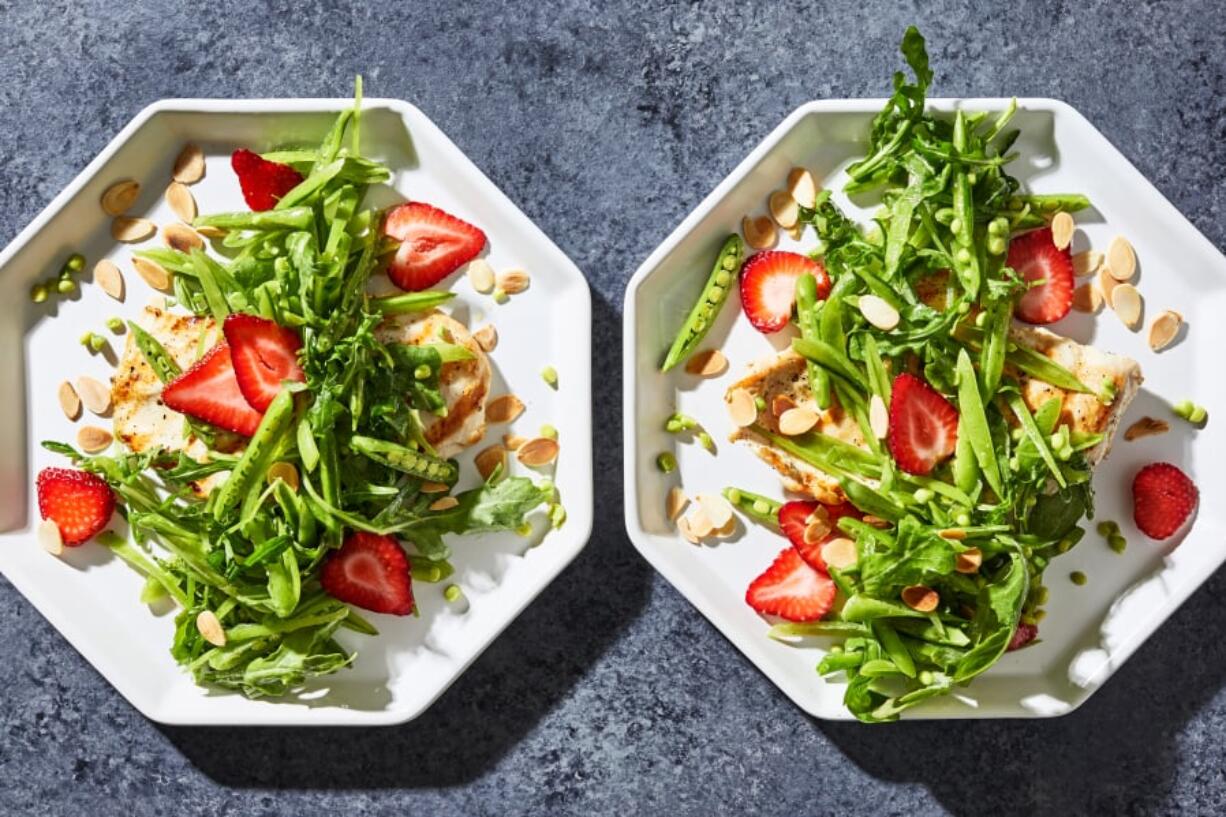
[(791, 589), (433, 244), (209, 391), (264, 355), (768, 287), (1035, 257), (371, 572), (923, 425)]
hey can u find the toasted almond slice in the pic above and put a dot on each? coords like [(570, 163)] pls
[(132, 230), (683, 526), (727, 529), (1062, 228), (797, 421), (210, 232), (434, 488), (1106, 284), (444, 503), (921, 598), (514, 281), (182, 202), (878, 417), (803, 187), (796, 232), (878, 312), (503, 409), (1087, 298), (952, 534), (70, 402), (700, 524), (1146, 427), (780, 404), (119, 197), (1121, 259), (182, 238), (210, 628), (717, 509), (50, 538), (675, 502), (875, 521), (1126, 301), (538, 452), (189, 166), (153, 273), (486, 337), (480, 275), (1164, 329), (513, 442), (840, 553), (760, 232), (742, 408), (968, 561), (784, 209), (1087, 263), (489, 459), (284, 471), (93, 439), (95, 395), (108, 276), (817, 526), (707, 363)]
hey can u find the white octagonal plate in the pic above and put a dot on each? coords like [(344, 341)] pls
[(1089, 631), (93, 598)]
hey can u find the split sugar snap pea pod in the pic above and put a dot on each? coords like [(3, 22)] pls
[(761, 509), (723, 276), (405, 460), (807, 322), (259, 454)]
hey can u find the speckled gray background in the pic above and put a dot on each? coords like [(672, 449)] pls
[(606, 122)]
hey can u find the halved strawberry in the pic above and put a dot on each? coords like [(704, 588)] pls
[(923, 425), (794, 518), (791, 589), (1023, 635), (78, 502), (371, 572), (264, 354), (768, 287), (1035, 257), (209, 391), (1163, 497), (433, 244), (263, 182)]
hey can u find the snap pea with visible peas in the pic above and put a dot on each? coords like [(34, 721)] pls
[(714, 294), (807, 317), (761, 509), (406, 460), (261, 449), (975, 422)]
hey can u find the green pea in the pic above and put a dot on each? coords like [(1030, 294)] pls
[(955, 226), (981, 319), (423, 372), (97, 343), (666, 462), (761, 506), (38, 293), (65, 286), (760, 403), (944, 215), (1117, 543), (996, 245), (557, 515), (452, 592), (1078, 578), (114, 324), (964, 256), (705, 440), (550, 375), (722, 278), (75, 262), (923, 495), (963, 520), (549, 432), (1107, 527), (500, 295)]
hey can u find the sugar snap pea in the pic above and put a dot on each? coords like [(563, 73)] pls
[(294, 218), (714, 294), (832, 358), (974, 421), (259, 454), (155, 354), (408, 302), (807, 322), (405, 460), (761, 509)]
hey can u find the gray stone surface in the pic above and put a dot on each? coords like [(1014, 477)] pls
[(607, 122)]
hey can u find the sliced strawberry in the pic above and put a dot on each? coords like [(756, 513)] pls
[(371, 572), (263, 182), (1023, 635), (209, 391), (78, 502), (1035, 257), (264, 355), (433, 244), (791, 589), (1163, 497), (923, 425), (794, 518), (768, 287)]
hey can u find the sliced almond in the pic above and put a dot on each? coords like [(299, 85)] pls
[(1106, 284), (840, 553), (513, 442), (1062, 228), (878, 417), (50, 538), (875, 521), (796, 232), (95, 395), (968, 561), (119, 197), (1121, 259), (1146, 427), (1087, 298), (1126, 301), (434, 488), (683, 526), (707, 363), (817, 526), (717, 509), (727, 529), (481, 275), (878, 312), (444, 503), (503, 409), (189, 166), (70, 402), (486, 337), (182, 202), (93, 439), (803, 187), (742, 408), (284, 471), (797, 421), (210, 628), (210, 232), (1164, 329), (921, 598), (490, 459), (131, 230), (1087, 263), (952, 534), (780, 403), (538, 452), (700, 524), (108, 276), (784, 209), (760, 232), (182, 238), (514, 281), (153, 273), (676, 501)]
